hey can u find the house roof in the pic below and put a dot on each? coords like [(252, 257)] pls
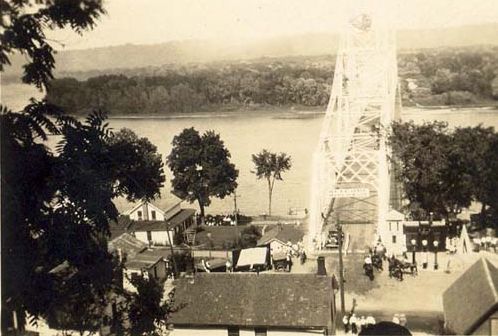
[(127, 243), (140, 204), (180, 217), (119, 226), (148, 225), (471, 298), (147, 258), (163, 204), (394, 215), (250, 300), (171, 223), (283, 233)]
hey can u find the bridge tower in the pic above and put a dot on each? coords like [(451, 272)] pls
[(351, 170)]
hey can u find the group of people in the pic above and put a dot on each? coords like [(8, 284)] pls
[(485, 243), (354, 324), (219, 220)]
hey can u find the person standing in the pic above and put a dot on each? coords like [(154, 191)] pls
[(354, 326), (345, 322), (362, 324), (370, 320), (289, 262)]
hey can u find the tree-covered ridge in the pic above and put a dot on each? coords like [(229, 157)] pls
[(429, 77)]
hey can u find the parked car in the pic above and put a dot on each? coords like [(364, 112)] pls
[(332, 241)]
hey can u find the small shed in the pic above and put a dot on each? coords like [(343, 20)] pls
[(280, 237), (149, 263)]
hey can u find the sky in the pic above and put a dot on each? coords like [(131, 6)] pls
[(157, 21)]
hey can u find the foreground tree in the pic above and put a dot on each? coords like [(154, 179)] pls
[(420, 153), (270, 166), (443, 172), (201, 167), (147, 311), (56, 205)]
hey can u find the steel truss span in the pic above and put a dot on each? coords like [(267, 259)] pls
[(350, 172)]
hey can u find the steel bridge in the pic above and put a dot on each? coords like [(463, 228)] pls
[(351, 180)]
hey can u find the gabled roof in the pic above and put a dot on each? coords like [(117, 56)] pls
[(471, 298), (180, 217), (147, 259), (283, 233), (177, 219), (140, 204), (250, 300), (128, 244), (394, 215), (163, 204)]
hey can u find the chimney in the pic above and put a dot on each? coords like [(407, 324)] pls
[(321, 270)]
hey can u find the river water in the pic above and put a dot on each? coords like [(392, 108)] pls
[(245, 133)]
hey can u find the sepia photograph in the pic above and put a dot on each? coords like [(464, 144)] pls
[(249, 167)]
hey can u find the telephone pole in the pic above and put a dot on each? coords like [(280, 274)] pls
[(341, 265), (236, 211)]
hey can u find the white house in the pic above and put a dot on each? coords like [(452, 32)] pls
[(145, 211), (392, 233), (236, 304), (154, 226)]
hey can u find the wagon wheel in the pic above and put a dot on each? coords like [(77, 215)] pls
[(280, 268)]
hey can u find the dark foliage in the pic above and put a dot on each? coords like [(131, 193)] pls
[(270, 166), (443, 171), (201, 167), (249, 237), (57, 204), (437, 77)]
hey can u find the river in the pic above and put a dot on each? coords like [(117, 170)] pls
[(246, 133)]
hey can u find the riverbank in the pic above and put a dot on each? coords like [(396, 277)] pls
[(296, 112)]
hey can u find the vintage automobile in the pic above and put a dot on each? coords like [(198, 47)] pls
[(280, 262), (332, 241)]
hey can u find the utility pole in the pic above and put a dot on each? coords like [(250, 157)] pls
[(236, 211), (175, 269), (341, 265)]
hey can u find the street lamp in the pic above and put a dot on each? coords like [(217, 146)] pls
[(414, 247), (424, 244), (436, 244)]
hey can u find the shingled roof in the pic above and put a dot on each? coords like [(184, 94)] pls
[(283, 233), (472, 298), (250, 300), (128, 244)]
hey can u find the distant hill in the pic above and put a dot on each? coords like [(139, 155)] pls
[(132, 56)]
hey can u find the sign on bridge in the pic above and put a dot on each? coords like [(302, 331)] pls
[(351, 192)]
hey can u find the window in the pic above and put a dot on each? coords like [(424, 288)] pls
[(397, 226), (233, 331), (494, 326), (139, 214), (260, 332), (149, 235), (394, 239), (390, 227), (153, 214)]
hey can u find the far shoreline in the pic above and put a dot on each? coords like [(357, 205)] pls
[(293, 112)]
